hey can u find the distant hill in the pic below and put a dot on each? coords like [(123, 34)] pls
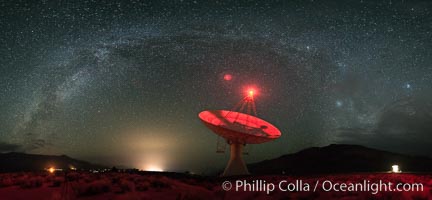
[(17, 162), (340, 158)]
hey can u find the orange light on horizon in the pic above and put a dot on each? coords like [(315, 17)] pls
[(51, 170), (154, 168)]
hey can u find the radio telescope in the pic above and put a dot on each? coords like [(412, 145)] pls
[(239, 129)]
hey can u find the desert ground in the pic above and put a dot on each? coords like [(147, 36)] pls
[(117, 185)]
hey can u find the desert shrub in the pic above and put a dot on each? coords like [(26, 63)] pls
[(219, 194), (190, 181), (139, 179), (181, 196), (157, 183), (126, 186), (49, 179), (134, 177), (207, 185), (115, 180), (57, 181), (6, 182), (94, 188), (31, 182), (87, 179), (429, 183), (142, 186), (21, 180), (72, 176), (194, 194)]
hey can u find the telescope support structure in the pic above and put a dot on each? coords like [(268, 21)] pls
[(236, 164)]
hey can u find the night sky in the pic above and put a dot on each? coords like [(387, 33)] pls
[(122, 83)]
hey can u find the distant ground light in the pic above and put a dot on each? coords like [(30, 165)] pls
[(395, 169), (53, 169), (153, 168)]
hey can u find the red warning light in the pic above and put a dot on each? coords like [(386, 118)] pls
[(227, 77), (251, 92)]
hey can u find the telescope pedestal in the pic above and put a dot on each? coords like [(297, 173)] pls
[(236, 164)]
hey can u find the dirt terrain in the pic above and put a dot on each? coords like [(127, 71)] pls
[(85, 185)]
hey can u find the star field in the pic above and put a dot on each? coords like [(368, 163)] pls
[(122, 82)]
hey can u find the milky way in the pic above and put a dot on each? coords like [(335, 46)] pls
[(122, 83)]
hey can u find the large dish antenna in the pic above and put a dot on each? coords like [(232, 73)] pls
[(239, 129)]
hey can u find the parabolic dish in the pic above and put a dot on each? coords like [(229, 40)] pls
[(239, 127)]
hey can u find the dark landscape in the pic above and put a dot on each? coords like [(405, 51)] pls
[(339, 159), (332, 159), (338, 163)]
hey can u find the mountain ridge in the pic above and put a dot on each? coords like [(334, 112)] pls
[(340, 158), (17, 162)]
